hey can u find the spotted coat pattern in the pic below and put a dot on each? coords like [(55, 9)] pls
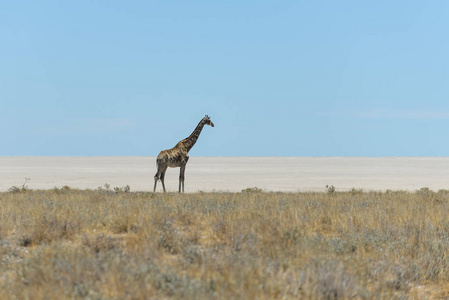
[(178, 156)]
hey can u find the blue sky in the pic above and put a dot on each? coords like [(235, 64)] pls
[(278, 78)]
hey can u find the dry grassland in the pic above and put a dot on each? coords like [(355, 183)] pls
[(101, 244)]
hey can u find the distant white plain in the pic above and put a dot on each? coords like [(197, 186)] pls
[(232, 174)]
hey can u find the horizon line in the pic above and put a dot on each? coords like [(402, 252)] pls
[(230, 156)]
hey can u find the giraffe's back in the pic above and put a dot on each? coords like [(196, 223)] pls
[(172, 158)]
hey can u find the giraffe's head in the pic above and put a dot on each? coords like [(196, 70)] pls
[(207, 121)]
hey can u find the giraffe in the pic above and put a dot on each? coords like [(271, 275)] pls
[(178, 156)]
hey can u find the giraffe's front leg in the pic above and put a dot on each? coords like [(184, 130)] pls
[(181, 178), (162, 179)]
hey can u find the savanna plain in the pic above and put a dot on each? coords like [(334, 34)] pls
[(108, 243)]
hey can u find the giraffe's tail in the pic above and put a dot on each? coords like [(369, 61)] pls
[(158, 163)]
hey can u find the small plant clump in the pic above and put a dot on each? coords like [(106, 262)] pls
[(252, 190), (125, 189), (22, 189), (107, 188), (330, 189), (355, 191)]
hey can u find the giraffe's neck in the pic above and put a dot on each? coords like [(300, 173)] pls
[(189, 142)]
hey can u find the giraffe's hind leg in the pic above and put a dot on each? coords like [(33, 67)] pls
[(160, 174), (155, 182), (162, 178), (156, 178)]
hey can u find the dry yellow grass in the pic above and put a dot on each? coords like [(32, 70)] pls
[(75, 244)]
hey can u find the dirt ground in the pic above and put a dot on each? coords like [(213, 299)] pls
[(229, 173)]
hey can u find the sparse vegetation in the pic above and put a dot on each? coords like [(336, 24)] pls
[(107, 188), (22, 189), (330, 189), (68, 243), (125, 189), (252, 190)]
